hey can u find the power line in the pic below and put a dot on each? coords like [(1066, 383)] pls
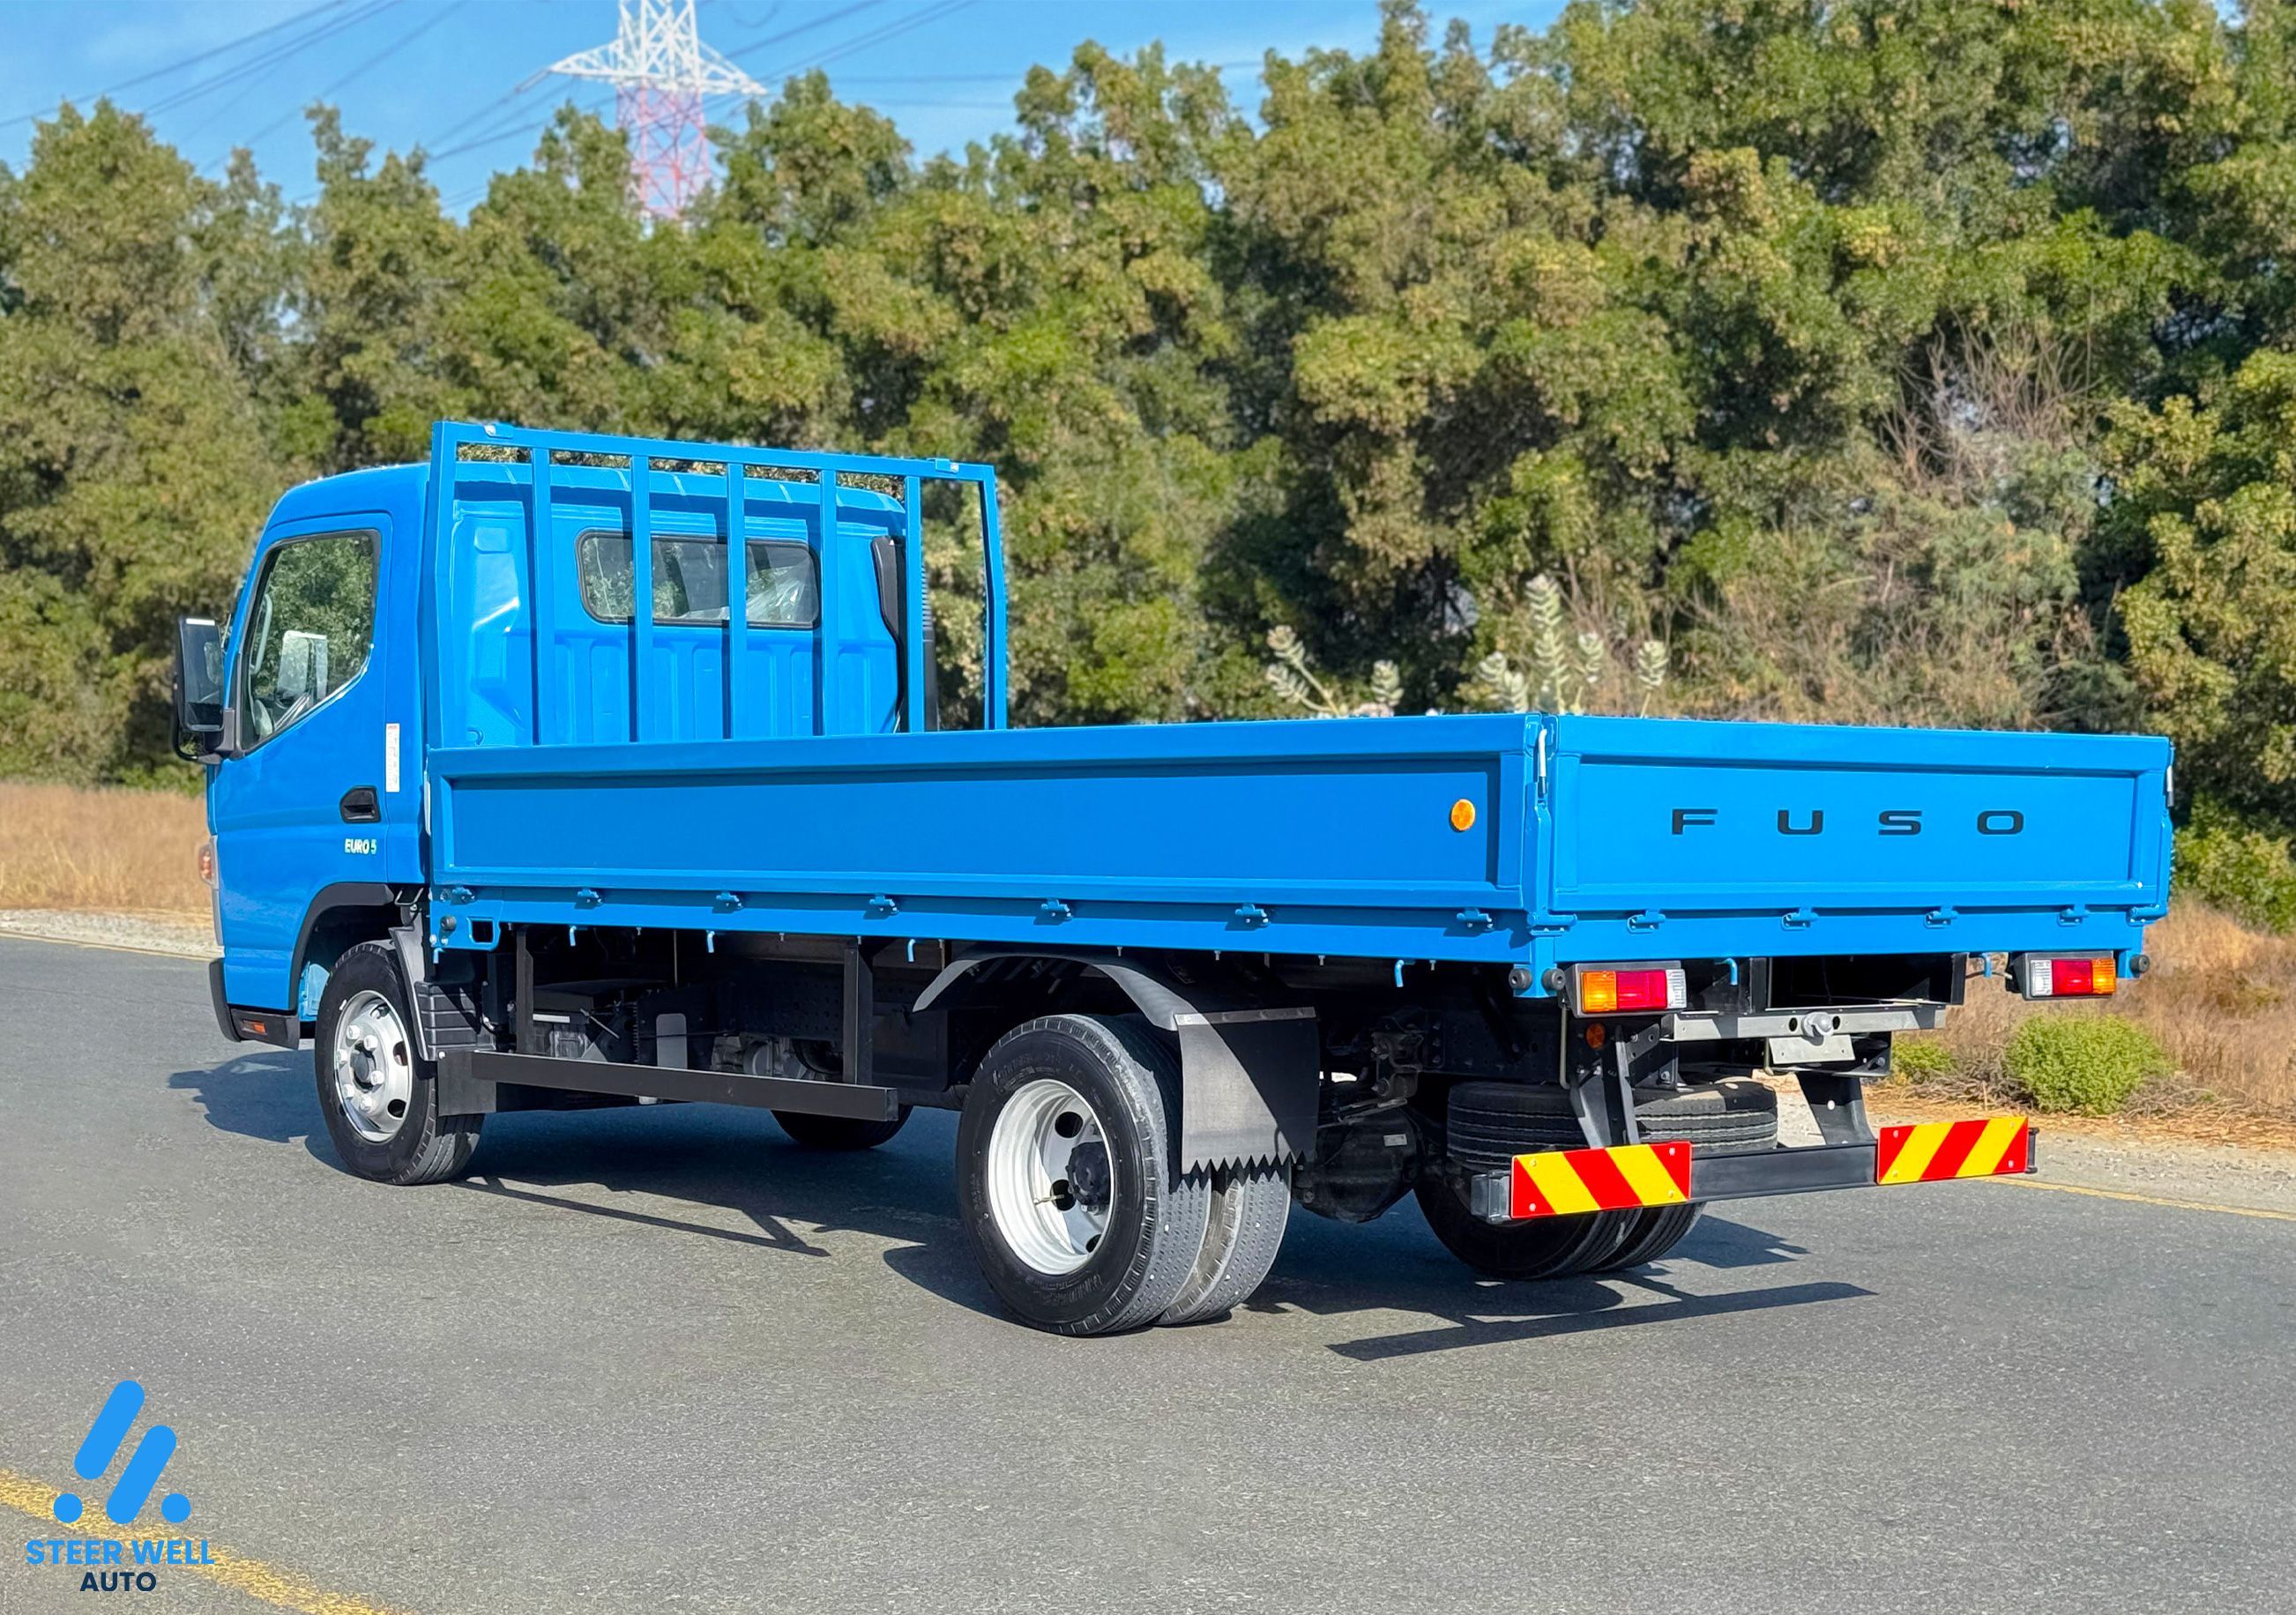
[(177, 67), (504, 100), (772, 12), (532, 79), (520, 119), (283, 52), (894, 30), (891, 30), (360, 71), (1217, 67), (823, 20), (519, 123)]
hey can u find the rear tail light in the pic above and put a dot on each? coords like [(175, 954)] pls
[(1626, 989), (2068, 976)]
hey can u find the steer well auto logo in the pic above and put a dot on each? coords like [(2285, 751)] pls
[(125, 1563)]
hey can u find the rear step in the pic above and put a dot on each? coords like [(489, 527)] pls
[(467, 1078)]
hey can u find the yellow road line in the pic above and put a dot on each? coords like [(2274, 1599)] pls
[(268, 1583), (2151, 1200)]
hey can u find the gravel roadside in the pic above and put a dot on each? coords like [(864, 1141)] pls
[(187, 935)]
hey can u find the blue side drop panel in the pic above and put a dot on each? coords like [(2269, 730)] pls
[(1324, 837)]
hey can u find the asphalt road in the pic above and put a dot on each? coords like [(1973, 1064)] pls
[(662, 1360)]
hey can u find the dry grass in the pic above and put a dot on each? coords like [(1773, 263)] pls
[(2221, 1001), (119, 851)]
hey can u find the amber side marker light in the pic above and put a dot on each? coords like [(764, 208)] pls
[(2067, 976), (1462, 814)]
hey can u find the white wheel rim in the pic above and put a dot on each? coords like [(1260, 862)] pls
[(1050, 1179), (374, 1067)]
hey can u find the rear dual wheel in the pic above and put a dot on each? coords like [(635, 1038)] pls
[(1490, 1123), (1069, 1187), (1547, 1247)]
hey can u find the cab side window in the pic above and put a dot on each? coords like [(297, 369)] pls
[(308, 629)]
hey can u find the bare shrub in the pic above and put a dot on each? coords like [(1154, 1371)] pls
[(2221, 1003)]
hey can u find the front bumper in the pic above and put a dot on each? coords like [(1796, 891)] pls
[(240, 1024), (225, 1023), (1565, 1182)]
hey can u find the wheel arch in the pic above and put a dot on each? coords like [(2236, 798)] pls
[(342, 916), (1251, 1065)]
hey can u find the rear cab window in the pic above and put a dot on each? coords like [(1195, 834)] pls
[(689, 580)]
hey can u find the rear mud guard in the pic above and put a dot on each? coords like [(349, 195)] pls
[(1248, 1071)]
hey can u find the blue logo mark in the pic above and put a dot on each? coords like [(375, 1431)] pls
[(104, 1438)]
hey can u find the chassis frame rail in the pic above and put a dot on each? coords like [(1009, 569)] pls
[(468, 1076)]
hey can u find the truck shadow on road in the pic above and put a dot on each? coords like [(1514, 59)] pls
[(657, 1159), (1396, 1264), (270, 1096), (734, 1159)]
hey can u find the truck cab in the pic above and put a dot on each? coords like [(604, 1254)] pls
[(311, 722)]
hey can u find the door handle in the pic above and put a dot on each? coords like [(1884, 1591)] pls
[(359, 806)]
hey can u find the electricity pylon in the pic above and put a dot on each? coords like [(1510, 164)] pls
[(660, 71)]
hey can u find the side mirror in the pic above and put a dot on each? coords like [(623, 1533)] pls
[(198, 687)]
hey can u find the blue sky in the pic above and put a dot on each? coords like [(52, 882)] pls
[(445, 73)]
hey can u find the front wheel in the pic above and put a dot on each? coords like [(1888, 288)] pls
[(1066, 1180), (378, 1094)]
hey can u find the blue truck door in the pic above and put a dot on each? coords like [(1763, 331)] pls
[(300, 807)]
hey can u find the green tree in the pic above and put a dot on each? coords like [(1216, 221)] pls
[(133, 466), (2204, 503)]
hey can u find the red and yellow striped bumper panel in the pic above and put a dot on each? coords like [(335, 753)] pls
[(1931, 1151), (1562, 1183)]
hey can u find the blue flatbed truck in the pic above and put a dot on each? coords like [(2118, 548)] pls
[(524, 795)]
